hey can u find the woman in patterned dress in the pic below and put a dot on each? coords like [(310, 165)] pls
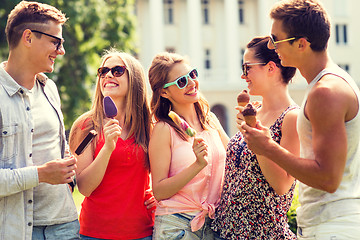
[(257, 193)]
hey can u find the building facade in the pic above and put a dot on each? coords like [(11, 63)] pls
[(214, 34)]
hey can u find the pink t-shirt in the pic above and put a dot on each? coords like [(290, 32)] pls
[(202, 193)]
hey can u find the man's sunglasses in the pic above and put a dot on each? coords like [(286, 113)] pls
[(182, 81), (273, 44), (246, 68), (116, 71), (59, 42)]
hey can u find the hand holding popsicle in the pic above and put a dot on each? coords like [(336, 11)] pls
[(201, 151), (112, 129)]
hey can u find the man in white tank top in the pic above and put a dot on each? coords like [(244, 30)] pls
[(328, 125)]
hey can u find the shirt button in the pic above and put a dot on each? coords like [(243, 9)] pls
[(21, 91), (32, 130), (30, 155), (29, 224), (30, 201), (28, 108)]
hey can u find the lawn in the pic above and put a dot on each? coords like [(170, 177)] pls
[(78, 199)]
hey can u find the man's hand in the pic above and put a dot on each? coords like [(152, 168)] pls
[(258, 139), (57, 171)]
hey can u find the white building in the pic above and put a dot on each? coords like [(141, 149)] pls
[(214, 34)]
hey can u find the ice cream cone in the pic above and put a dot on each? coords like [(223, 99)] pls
[(249, 114)]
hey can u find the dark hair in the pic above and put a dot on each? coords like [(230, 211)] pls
[(30, 15), (264, 54), (304, 18)]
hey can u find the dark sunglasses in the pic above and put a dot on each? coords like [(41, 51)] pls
[(246, 68), (59, 42), (182, 81), (116, 71)]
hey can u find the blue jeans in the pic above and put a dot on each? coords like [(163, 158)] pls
[(64, 231), (177, 226), (83, 237), (217, 236)]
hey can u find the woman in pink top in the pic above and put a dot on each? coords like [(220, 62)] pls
[(187, 172)]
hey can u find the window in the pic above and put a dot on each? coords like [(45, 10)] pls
[(170, 49), (169, 11), (241, 11), (341, 33), (242, 51), (205, 11), (345, 67), (207, 59)]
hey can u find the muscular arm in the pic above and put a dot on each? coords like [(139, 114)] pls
[(329, 105)]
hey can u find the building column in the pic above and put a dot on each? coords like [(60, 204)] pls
[(264, 7), (194, 38), (232, 41), (155, 35)]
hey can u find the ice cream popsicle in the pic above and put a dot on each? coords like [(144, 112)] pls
[(182, 124), (110, 108), (249, 114), (243, 98), (87, 140)]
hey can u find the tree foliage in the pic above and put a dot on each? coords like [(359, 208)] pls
[(92, 27)]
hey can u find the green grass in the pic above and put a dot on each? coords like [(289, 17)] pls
[(78, 199)]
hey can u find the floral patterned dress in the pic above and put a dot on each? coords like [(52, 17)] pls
[(249, 207)]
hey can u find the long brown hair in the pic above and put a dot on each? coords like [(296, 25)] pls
[(137, 113), (160, 106)]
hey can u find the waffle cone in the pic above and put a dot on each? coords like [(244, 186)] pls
[(250, 120), (242, 104)]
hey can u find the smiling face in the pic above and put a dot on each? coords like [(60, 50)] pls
[(44, 48), (285, 50), (115, 87), (188, 94), (256, 74)]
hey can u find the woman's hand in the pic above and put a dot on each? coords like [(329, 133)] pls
[(150, 201), (239, 117), (200, 150), (112, 132)]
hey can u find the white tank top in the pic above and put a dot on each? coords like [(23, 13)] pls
[(318, 206)]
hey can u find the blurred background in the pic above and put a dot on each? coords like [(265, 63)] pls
[(212, 33)]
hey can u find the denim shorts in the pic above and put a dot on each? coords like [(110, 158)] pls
[(64, 231), (177, 226), (346, 227)]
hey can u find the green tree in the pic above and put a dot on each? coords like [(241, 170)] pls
[(92, 27)]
